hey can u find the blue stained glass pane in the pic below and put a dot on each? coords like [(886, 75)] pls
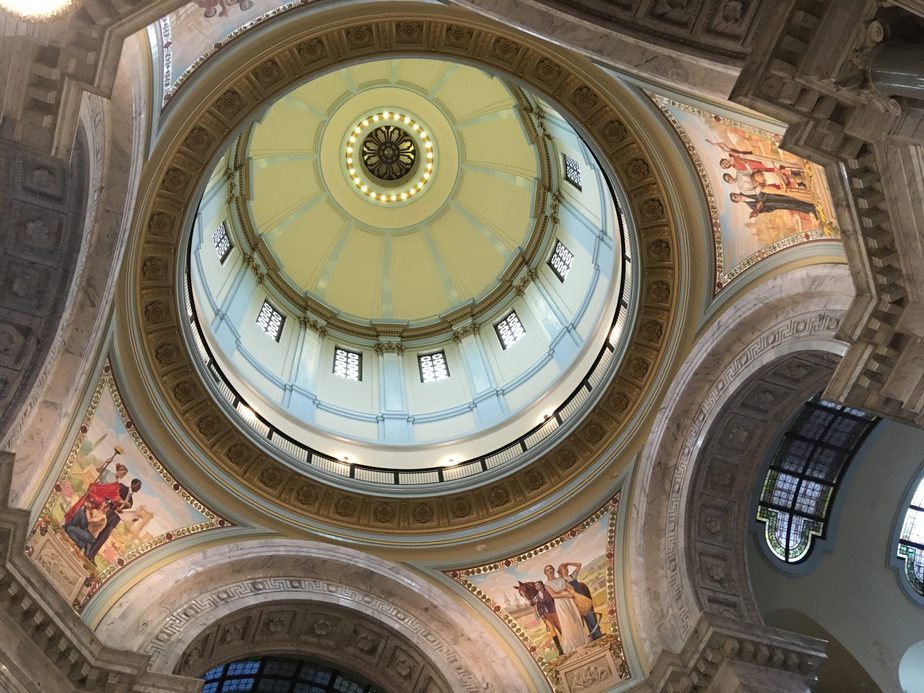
[(792, 455), (812, 498), (280, 667), (813, 424), (784, 489), (345, 685), (210, 687), (214, 673), (316, 675), (231, 685), (243, 667), (826, 464)]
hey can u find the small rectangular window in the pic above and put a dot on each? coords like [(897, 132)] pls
[(509, 330), (433, 367), (270, 320), (572, 171), (561, 260), (348, 364), (222, 243)]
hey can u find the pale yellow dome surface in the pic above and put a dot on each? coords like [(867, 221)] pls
[(416, 258)]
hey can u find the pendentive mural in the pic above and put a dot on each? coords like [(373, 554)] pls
[(761, 198), (112, 503), (560, 601), (186, 37)]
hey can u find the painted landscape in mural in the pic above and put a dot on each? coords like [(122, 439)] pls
[(198, 29), (559, 599), (762, 198), (112, 503)]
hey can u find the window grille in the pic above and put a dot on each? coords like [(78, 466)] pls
[(572, 171), (348, 364), (222, 243), (509, 330), (561, 260), (433, 367), (270, 320)]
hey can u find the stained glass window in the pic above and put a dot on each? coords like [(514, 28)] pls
[(561, 260), (270, 320), (572, 171), (282, 675), (433, 367), (806, 469), (348, 364), (911, 540), (222, 243), (510, 330)]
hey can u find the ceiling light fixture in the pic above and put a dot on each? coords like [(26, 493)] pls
[(389, 150), (37, 10)]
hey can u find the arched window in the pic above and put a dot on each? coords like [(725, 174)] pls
[(281, 675), (910, 552), (796, 496)]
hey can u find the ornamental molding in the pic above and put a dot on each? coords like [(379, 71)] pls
[(235, 98), (684, 507), (804, 71), (183, 632), (722, 654), (321, 632), (727, 468)]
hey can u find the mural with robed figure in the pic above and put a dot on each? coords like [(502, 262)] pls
[(762, 199), (559, 599), (112, 503)]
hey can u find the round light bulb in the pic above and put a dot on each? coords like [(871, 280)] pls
[(37, 10)]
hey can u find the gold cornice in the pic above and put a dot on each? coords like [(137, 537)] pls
[(295, 54)]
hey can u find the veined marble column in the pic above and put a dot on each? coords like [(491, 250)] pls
[(897, 69)]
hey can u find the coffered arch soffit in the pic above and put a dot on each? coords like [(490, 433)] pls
[(607, 113), (791, 323), (316, 632)]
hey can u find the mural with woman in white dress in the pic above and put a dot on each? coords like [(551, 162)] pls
[(559, 598)]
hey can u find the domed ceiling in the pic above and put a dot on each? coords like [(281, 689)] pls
[(376, 219), (376, 233)]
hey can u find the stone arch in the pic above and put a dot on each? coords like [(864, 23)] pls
[(203, 588), (318, 632), (796, 311), (726, 470), (115, 151)]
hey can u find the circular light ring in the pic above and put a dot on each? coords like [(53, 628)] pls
[(36, 10), (367, 185)]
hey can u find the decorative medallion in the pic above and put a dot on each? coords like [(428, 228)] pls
[(384, 159), (389, 153)]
